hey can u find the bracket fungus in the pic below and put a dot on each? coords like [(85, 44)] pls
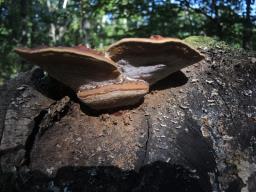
[(119, 77), (154, 58)]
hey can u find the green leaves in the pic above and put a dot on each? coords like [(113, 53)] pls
[(4, 31)]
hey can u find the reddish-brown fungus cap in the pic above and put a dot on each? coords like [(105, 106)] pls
[(74, 66), (155, 45), (153, 58), (114, 95)]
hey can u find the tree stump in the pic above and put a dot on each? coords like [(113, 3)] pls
[(195, 131)]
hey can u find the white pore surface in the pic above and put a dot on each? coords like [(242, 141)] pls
[(140, 72)]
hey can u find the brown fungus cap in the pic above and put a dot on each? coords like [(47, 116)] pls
[(114, 95), (95, 78), (154, 58), (73, 66)]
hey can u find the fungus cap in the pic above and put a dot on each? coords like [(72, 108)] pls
[(95, 78), (112, 95), (73, 66), (154, 58)]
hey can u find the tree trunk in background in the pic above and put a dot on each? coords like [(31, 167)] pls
[(247, 31), (195, 131), (216, 19), (24, 19), (85, 23)]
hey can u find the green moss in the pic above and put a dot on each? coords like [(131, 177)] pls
[(198, 42), (206, 42), (101, 49)]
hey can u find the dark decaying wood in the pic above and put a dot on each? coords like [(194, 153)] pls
[(195, 131)]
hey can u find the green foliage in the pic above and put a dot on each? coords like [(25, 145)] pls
[(98, 23)]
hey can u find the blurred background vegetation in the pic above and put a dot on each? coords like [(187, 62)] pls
[(98, 23)]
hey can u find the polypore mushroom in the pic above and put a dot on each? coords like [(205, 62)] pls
[(119, 79), (95, 78), (152, 59)]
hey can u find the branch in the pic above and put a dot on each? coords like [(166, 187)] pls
[(65, 4)]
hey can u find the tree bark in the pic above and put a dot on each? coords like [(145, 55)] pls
[(195, 131), (216, 19), (248, 26)]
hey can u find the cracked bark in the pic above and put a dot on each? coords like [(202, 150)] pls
[(31, 138), (45, 120), (149, 128), (175, 134)]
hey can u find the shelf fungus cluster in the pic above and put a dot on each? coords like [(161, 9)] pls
[(119, 77)]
